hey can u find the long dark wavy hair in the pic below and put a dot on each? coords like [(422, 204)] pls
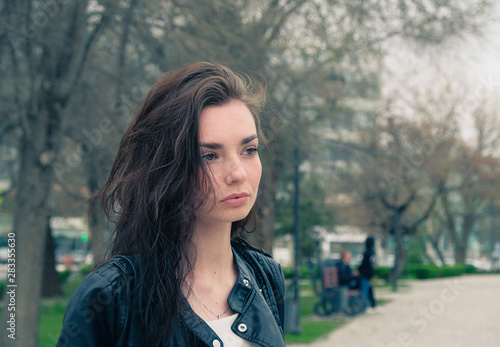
[(156, 184)]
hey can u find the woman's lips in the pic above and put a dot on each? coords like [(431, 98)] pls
[(236, 199)]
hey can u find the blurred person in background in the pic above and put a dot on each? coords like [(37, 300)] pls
[(366, 273), (347, 278)]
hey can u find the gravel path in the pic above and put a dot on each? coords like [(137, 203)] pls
[(453, 312)]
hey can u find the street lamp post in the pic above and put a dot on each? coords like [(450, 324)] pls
[(293, 307)]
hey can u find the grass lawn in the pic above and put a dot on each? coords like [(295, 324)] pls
[(312, 330), (312, 326), (51, 318), (52, 314)]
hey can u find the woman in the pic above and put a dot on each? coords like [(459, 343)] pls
[(182, 188)]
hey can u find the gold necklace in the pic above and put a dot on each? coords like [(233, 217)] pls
[(207, 309)]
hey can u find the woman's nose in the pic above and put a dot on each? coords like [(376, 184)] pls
[(235, 171)]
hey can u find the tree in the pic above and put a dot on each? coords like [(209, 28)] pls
[(391, 172), (463, 165), (470, 187), (108, 96), (45, 56), (344, 39)]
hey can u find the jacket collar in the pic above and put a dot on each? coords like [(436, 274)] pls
[(254, 313), (244, 286)]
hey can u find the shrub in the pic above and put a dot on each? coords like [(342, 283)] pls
[(469, 269), (452, 270), (425, 271), (86, 269), (433, 271), (383, 272), (288, 272), (303, 272), (63, 275)]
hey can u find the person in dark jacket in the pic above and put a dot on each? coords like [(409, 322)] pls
[(346, 276), (367, 271), (182, 191), (347, 279)]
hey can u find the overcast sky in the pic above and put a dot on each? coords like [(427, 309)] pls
[(472, 63)]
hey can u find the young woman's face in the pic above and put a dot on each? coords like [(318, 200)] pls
[(229, 149)]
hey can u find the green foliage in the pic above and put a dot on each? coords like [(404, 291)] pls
[(468, 269), (434, 271), (303, 272), (457, 270), (314, 211), (425, 271), (288, 272), (86, 269), (383, 272), (416, 252), (421, 271), (451, 271), (64, 275)]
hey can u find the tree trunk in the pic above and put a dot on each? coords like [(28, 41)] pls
[(399, 260), (435, 245), (30, 227), (263, 237), (51, 285), (460, 252), (398, 242)]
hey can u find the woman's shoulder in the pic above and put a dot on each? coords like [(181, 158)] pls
[(112, 271), (257, 255), (119, 265), (113, 278), (100, 305), (243, 245)]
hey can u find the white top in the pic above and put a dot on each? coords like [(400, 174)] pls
[(222, 328)]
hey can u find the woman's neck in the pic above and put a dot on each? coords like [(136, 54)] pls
[(213, 262)]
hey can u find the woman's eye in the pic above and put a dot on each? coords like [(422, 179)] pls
[(208, 156), (251, 151)]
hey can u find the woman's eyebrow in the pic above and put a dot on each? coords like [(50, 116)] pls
[(211, 145), (248, 139), (214, 145)]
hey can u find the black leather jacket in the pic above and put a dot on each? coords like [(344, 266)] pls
[(100, 313)]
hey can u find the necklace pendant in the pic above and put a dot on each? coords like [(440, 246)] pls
[(205, 307)]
